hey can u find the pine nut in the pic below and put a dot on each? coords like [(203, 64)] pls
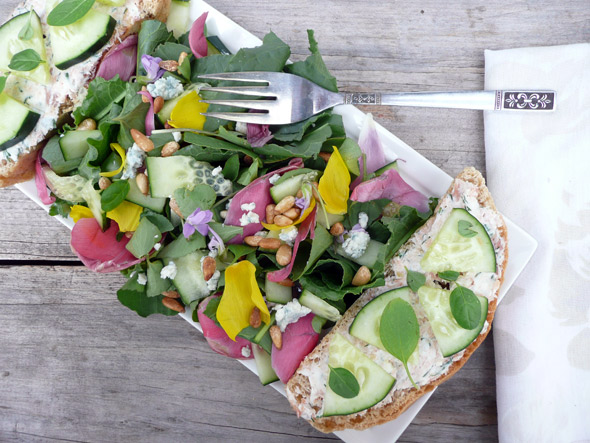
[(325, 155), (362, 276), (104, 183), (170, 148), (269, 243), (285, 204), (284, 254), (209, 267), (175, 208), (270, 213), (141, 140), (255, 320), (87, 125), (169, 65), (173, 304), (276, 336), (142, 183), (129, 234), (293, 213), (253, 240), (158, 104), (182, 57), (223, 214), (143, 97), (337, 229), (281, 220), (171, 294)]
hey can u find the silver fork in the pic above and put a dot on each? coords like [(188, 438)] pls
[(281, 98)]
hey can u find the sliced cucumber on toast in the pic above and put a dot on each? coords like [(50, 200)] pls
[(17, 121)]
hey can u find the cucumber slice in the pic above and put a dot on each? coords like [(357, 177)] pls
[(74, 144), (277, 293), (179, 18), (374, 382), (168, 174), (451, 337), (266, 373), (77, 42), (216, 46), (189, 280), (453, 251), (112, 2), (53, 156), (17, 121), (319, 307), (366, 324), (369, 258), (11, 44), (289, 186), (136, 196)]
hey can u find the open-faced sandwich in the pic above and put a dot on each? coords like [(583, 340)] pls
[(397, 342), (49, 52)]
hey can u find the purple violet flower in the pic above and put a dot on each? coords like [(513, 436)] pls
[(303, 202), (152, 67), (198, 221)]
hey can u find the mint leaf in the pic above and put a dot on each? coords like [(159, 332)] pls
[(449, 275), (399, 331), (26, 60), (465, 307), (68, 12), (114, 195), (415, 279), (26, 32), (464, 228), (343, 383)]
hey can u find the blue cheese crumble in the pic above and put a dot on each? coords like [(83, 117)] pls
[(250, 216), (133, 161), (274, 178), (288, 235), (167, 87), (290, 313), (168, 271), (142, 279), (355, 243)]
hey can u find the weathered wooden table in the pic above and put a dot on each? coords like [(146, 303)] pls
[(75, 365)]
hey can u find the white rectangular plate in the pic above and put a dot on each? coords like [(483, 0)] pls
[(416, 170)]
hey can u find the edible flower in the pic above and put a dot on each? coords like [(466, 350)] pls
[(119, 149), (150, 124), (78, 211), (126, 215), (258, 135), (120, 60), (240, 296), (196, 37), (304, 202), (41, 183), (198, 221), (187, 112), (152, 67), (334, 184)]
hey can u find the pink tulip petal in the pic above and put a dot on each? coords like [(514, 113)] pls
[(40, 182), (120, 60), (149, 118), (196, 37)]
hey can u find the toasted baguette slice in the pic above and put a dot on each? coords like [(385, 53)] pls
[(307, 387), (67, 88)]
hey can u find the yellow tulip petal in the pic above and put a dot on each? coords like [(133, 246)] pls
[(78, 211), (302, 217), (117, 147), (187, 112), (240, 296), (334, 185), (126, 215)]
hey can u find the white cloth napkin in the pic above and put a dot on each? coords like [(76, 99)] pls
[(538, 169)]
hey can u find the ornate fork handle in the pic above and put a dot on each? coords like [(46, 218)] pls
[(485, 100)]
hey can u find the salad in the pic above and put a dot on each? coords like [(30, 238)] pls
[(266, 234)]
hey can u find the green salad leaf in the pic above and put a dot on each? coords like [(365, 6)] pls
[(202, 197), (114, 195), (465, 307), (156, 284), (102, 94), (151, 34), (134, 296), (415, 279), (145, 237), (343, 383)]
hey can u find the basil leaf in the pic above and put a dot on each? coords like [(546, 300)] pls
[(26, 60), (449, 275), (343, 383), (114, 195), (26, 33), (68, 12), (399, 331), (464, 228), (415, 280), (2, 83), (465, 307)]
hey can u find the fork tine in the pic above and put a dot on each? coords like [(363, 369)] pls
[(263, 105), (260, 91), (251, 76), (244, 117)]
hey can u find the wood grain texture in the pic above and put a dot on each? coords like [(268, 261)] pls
[(75, 365)]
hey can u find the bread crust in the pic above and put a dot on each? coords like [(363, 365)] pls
[(298, 386), (137, 11)]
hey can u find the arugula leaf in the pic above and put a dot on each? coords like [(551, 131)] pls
[(465, 307), (248, 175), (204, 154), (133, 295), (202, 196), (415, 279), (68, 12), (86, 168), (449, 275), (399, 331), (309, 146), (114, 195), (231, 168), (271, 56), (211, 64), (156, 284), (250, 334), (373, 209), (170, 50), (60, 207), (152, 34), (132, 115), (211, 309), (322, 241), (102, 94), (464, 228), (294, 131), (145, 237), (313, 67), (239, 251), (26, 60), (181, 246), (237, 138), (343, 383), (217, 144)]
